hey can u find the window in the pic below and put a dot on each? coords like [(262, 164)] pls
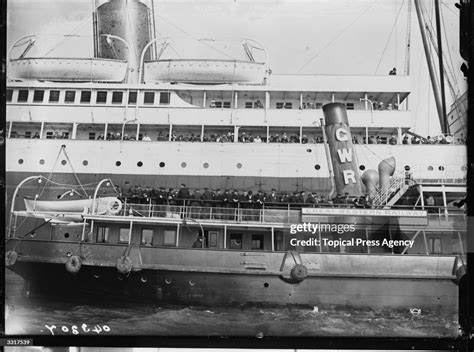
[(49, 135), (226, 105), (54, 96), (27, 134), (147, 237), (257, 242), (23, 95), (212, 239), (169, 238), (132, 97), (165, 97), (86, 96), (218, 104), (117, 97), (38, 96), (124, 235), (70, 96), (92, 135), (249, 105), (149, 98), (102, 234), (101, 97), (319, 105), (435, 245), (288, 105), (350, 106), (236, 241), (9, 94), (279, 105)]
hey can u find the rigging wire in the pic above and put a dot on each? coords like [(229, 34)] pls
[(330, 42), (70, 34), (193, 37), (408, 41), (389, 36)]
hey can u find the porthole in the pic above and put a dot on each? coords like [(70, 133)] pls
[(183, 164), (239, 165), (441, 168), (407, 168), (317, 166), (205, 165), (20, 161), (162, 164), (66, 235), (309, 150), (266, 284), (85, 162), (63, 162), (144, 278), (430, 168), (41, 161), (139, 164), (362, 167), (118, 163)]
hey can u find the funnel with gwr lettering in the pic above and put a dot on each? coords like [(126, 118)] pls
[(346, 175)]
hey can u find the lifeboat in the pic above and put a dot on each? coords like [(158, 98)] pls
[(104, 205), (68, 69)]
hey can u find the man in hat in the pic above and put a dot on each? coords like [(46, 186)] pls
[(198, 243)]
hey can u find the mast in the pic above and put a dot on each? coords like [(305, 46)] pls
[(444, 124), (94, 29), (407, 50), (431, 68)]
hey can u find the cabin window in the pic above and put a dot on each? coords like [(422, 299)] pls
[(213, 239), (149, 98), (132, 97), (226, 104), (249, 105), (147, 237), (23, 95), (38, 96), (218, 104), (92, 135), (288, 105), (257, 242), (102, 234), (165, 97), (435, 246), (117, 97), (236, 241), (319, 105), (350, 106), (279, 105), (169, 238), (49, 135), (124, 235), (86, 96), (70, 96), (27, 134), (9, 94), (101, 97), (54, 96)]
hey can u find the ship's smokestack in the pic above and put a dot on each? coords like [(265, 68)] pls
[(130, 21), (346, 176)]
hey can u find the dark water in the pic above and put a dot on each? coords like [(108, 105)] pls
[(30, 316)]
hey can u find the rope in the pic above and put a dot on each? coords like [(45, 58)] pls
[(51, 173), (337, 36), (74, 171), (390, 35)]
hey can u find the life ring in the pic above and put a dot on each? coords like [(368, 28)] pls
[(73, 264), (114, 206), (124, 265), (299, 272), (10, 258)]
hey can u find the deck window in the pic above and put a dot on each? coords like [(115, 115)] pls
[(9, 95), (226, 104), (213, 239), (435, 246), (165, 98), (70, 96), (288, 105), (86, 96), (279, 105), (132, 97), (319, 105), (38, 96), (92, 135), (22, 95), (236, 241), (117, 97), (218, 104), (350, 106), (27, 134), (147, 237), (101, 97), (54, 96), (124, 235), (149, 98), (249, 105), (257, 242), (169, 238), (102, 234)]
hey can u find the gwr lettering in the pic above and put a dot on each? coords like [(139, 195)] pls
[(349, 175), (341, 135), (345, 155)]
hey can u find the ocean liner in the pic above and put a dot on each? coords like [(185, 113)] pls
[(366, 216)]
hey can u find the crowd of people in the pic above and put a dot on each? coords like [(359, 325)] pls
[(218, 198)]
